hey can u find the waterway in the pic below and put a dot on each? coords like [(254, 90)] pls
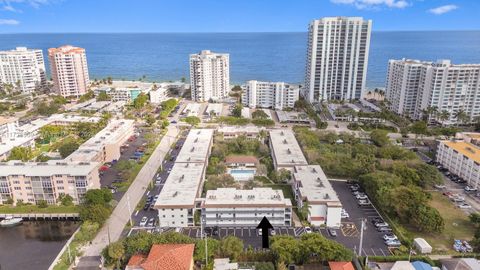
[(33, 245)]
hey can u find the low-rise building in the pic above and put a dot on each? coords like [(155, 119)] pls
[(310, 184), (192, 109), (159, 94), (241, 168), (232, 132), (105, 145), (292, 117), (31, 182), (7, 144), (8, 126), (286, 152), (461, 157), (214, 109), (234, 207), (196, 147), (460, 264), (176, 203), (164, 256), (246, 113), (274, 95)]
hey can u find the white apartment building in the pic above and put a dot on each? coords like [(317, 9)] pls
[(69, 70), (232, 132), (274, 95), (337, 58), (286, 152), (31, 182), (413, 86), (209, 76), (8, 126), (235, 207), (23, 68), (310, 184), (462, 157)]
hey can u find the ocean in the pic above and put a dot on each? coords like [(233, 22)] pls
[(253, 56)]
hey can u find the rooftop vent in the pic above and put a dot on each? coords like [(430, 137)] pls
[(238, 197), (326, 196), (289, 151), (196, 140), (284, 141), (193, 149), (175, 194)]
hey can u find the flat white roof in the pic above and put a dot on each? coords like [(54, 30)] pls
[(256, 197), (182, 186), (98, 105), (111, 134), (246, 112), (284, 116), (267, 112), (196, 147), (314, 185), (285, 148), (192, 109), (81, 105), (35, 125), (215, 107), (49, 168), (6, 144), (239, 129)]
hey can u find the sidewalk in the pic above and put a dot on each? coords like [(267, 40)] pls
[(112, 229)]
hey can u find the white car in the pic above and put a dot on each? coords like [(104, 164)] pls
[(469, 188), (440, 186), (393, 243), (308, 230), (344, 214), (143, 222), (390, 237), (464, 206), (260, 232), (362, 197), (272, 232)]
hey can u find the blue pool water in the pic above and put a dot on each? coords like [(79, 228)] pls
[(242, 175)]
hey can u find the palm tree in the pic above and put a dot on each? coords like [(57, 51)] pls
[(461, 116), (444, 116), (304, 211)]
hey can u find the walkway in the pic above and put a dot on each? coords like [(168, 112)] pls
[(114, 226)]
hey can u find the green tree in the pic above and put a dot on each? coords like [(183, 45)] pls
[(237, 110), (67, 148), (150, 120), (20, 153), (66, 200), (140, 101), (94, 213), (230, 247), (87, 96), (103, 96), (428, 219), (260, 114), (287, 249), (192, 120), (212, 247), (379, 137), (419, 127), (98, 196), (42, 204), (116, 251), (324, 249)]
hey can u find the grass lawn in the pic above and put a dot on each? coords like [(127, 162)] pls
[(25, 209), (457, 224)]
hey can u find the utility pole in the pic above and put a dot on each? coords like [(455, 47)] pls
[(361, 238), (129, 210)]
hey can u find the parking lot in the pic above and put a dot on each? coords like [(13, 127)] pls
[(349, 233)]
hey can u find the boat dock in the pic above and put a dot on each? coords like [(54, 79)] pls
[(43, 216)]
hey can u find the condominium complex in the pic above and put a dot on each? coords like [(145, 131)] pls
[(337, 58), (177, 202), (232, 132), (462, 157), (274, 95), (413, 86), (236, 207), (310, 184), (286, 153), (209, 76), (23, 68), (32, 182), (69, 70)]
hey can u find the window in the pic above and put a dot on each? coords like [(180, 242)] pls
[(17, 188), (163, 216)]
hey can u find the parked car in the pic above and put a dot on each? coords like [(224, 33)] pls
[(344, 214), (390, 237), (393, 243), (384, 229), (146, 207), (308, 230), (272, 232), (143, 221), (364, 202), (440, 186), (151, 222), (469, 188), (464, 206), (383, 224), (259, 232), (362, 197), (332, 232), (377, 220)]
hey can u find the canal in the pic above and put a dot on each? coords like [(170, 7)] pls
[(33, 245)]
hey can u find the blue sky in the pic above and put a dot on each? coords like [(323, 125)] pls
[(64, 16)]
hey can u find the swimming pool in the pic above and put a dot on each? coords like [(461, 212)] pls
[(242, 175)]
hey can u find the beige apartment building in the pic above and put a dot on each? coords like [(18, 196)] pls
[(69, 70), (31, 182)]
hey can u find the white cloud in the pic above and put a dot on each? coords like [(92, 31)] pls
[(373, 4), (442, 9), (8, 22), (10, 5)]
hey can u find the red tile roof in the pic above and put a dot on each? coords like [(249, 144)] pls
[(165, 257), (241, 159), (317, 218), (341, 266)]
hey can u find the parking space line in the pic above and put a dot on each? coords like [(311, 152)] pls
[(382, 252), (364, 252), (374, 254)]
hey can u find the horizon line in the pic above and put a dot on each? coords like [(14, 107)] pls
[(233, 32)]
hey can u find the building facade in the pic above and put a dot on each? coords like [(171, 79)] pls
[(462, 157), (209, 76), (235, 207), (32, 182), (310, 184), (69, 69), (23, 68), (337, 58), (274, 95), (285, 150), (414, 86)]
